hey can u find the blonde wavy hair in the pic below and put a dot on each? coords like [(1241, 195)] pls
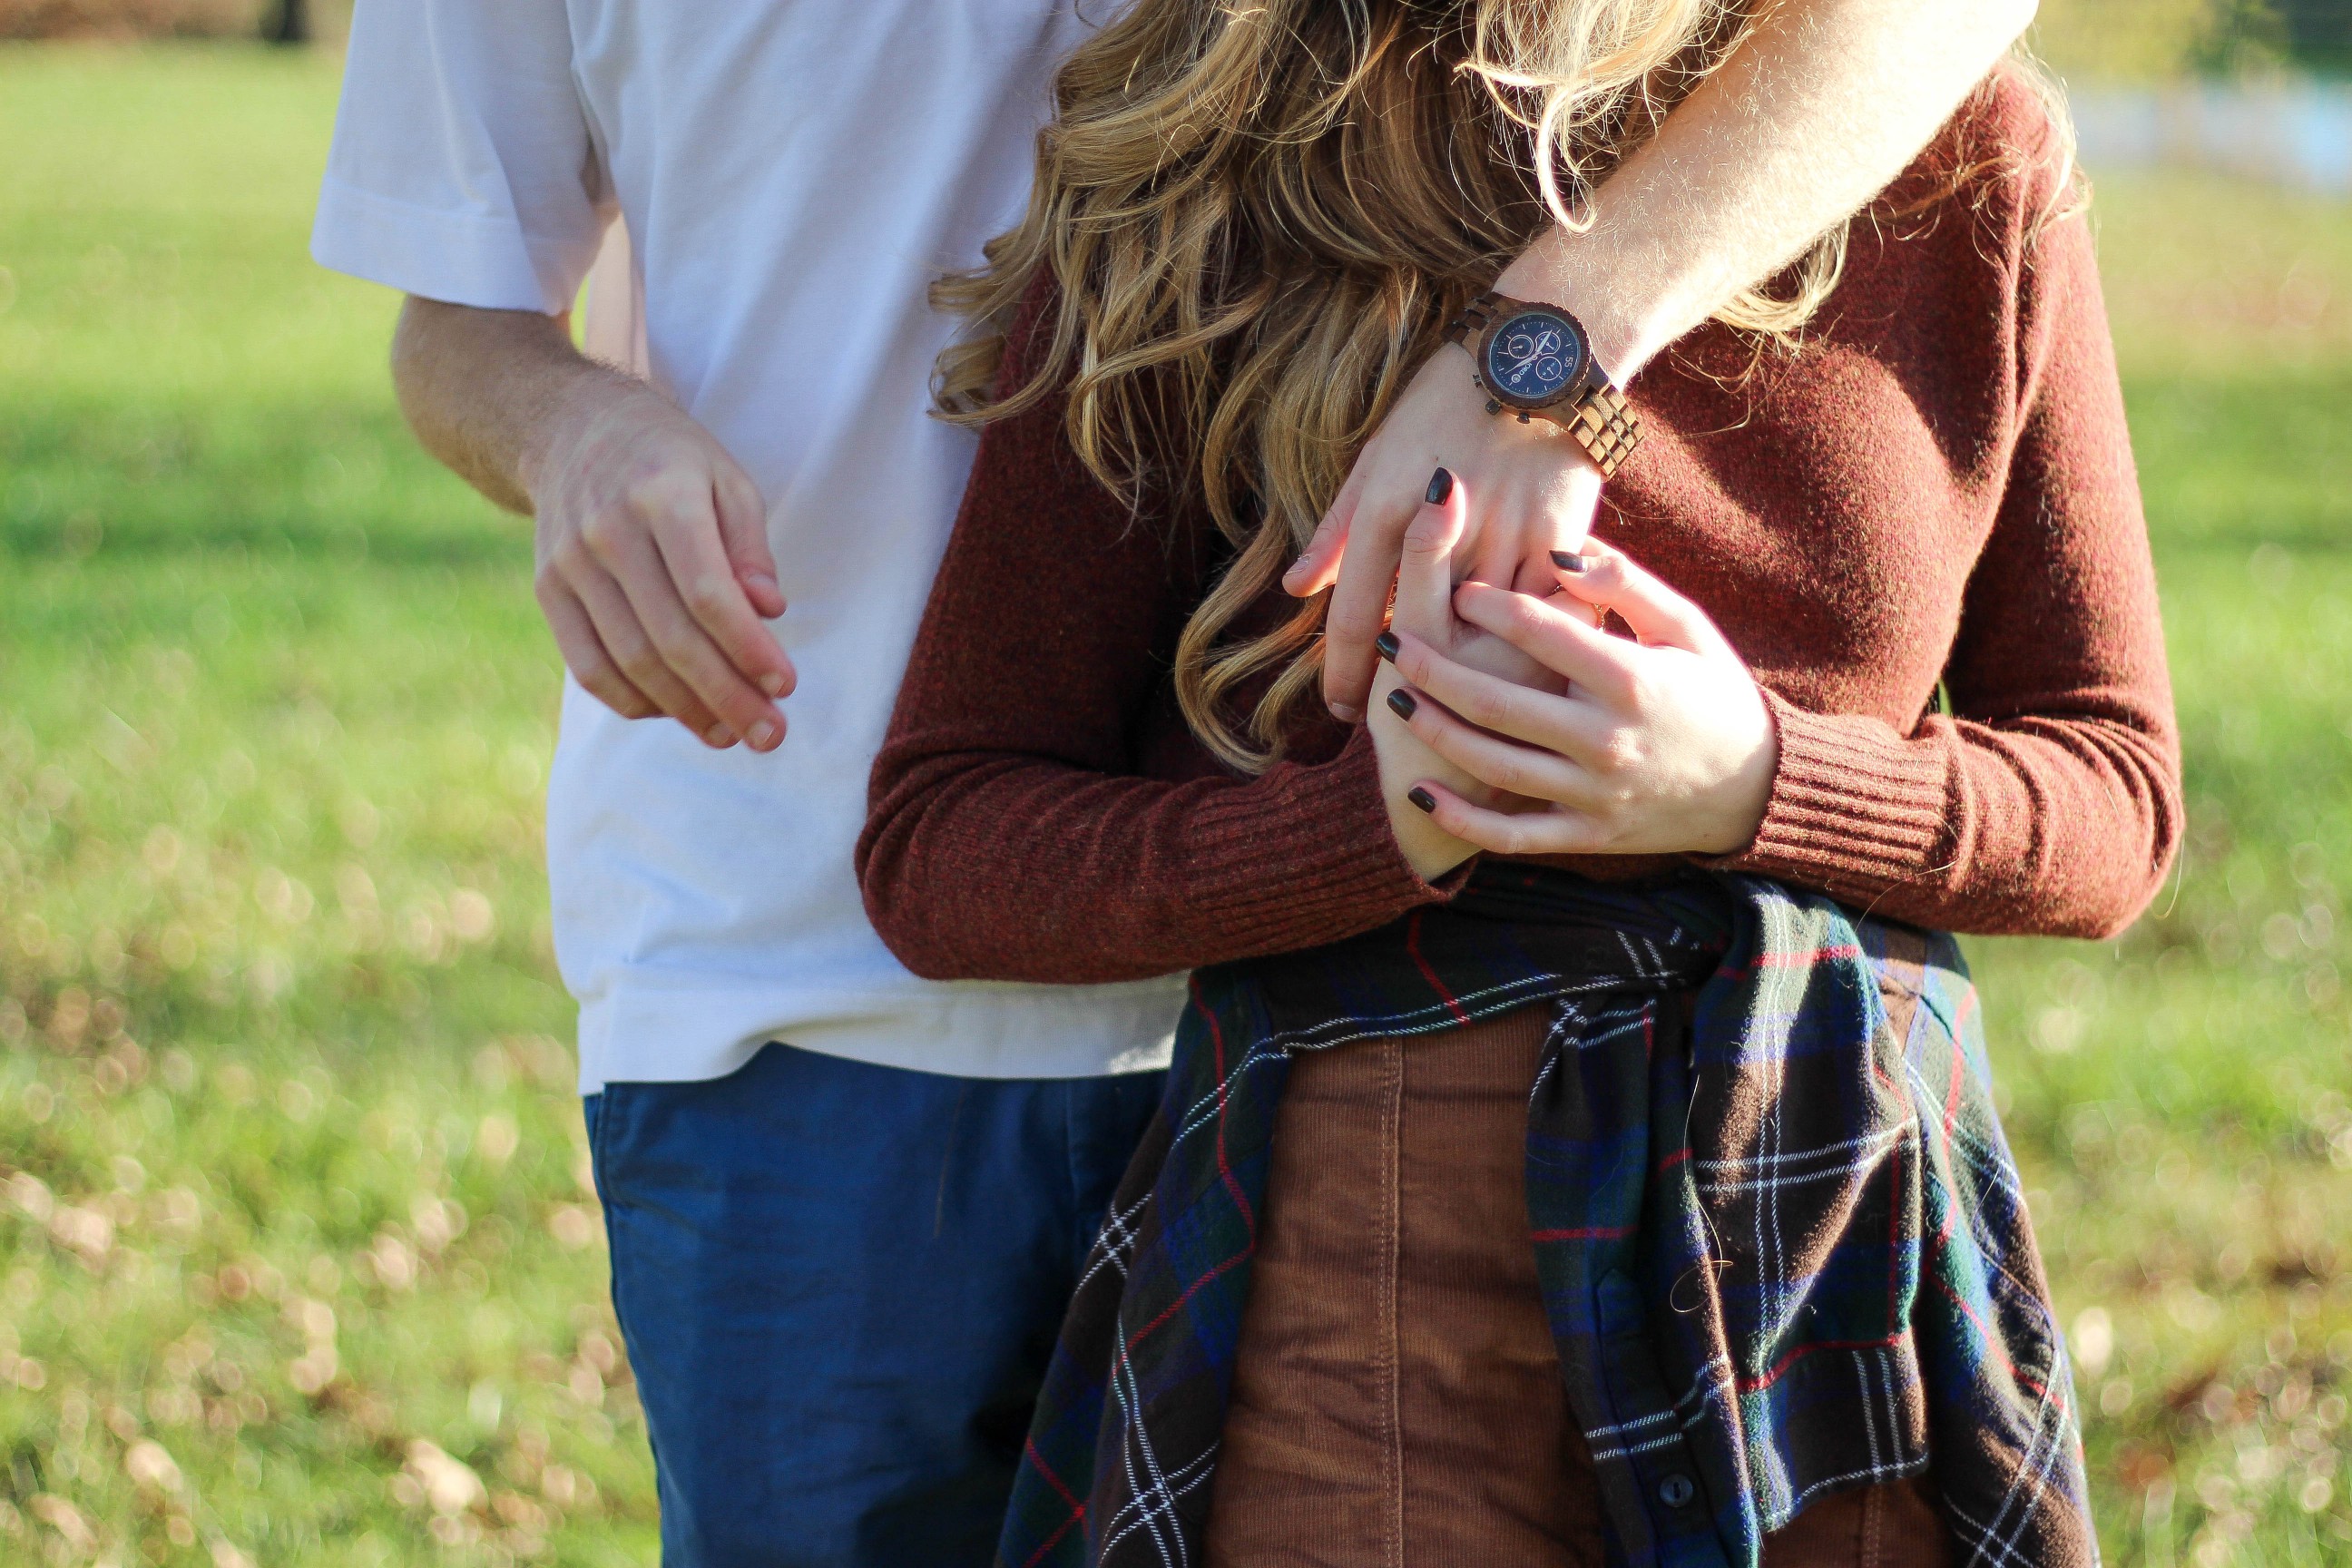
[(1258, 216)]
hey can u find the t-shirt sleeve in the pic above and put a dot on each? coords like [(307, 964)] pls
[(463, 168)]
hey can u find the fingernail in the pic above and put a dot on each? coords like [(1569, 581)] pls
[(1345, 712), (1385, 645), (763, 735), (772, 684), (1422, 798), (719, 735), (1440, 485), (1401, 704), (1567, 562)]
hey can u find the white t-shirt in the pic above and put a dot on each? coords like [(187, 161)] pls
[(794, 173)]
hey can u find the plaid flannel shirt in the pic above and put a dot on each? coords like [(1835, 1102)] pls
[(1780, 1240)]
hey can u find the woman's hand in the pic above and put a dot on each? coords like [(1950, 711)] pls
[(1660, 746), (1428, 558), (1535, 491)]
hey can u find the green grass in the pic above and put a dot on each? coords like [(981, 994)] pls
[(290, 1173), (278, 1015), (2179, 1098)]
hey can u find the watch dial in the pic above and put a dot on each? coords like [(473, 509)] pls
[(1532, 356)]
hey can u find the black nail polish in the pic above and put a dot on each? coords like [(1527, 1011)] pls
[(1385, 645), (1401, 704), (1440, 485), (1567, 562), (1422, 798)]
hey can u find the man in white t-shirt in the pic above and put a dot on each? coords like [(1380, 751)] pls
[(847, 1205)]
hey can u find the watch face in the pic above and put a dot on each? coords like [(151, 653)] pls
[(1532, 357)]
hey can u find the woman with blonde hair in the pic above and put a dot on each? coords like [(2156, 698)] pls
[(1579, 1146)]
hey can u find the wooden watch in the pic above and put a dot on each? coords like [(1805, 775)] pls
[(1536, 360)]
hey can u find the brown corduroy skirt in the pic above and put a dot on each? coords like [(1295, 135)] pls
[(1397, 1399)]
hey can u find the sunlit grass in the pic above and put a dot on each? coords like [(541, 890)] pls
[(297, 1260), (300, 1264), (2179, 1098)]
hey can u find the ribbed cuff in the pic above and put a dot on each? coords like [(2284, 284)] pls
[(1854, 809), (1303, 856)]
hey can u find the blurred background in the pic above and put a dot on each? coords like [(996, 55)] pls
[(298, 1261)]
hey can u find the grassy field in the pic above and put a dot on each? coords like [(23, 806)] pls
[(297, 1261)]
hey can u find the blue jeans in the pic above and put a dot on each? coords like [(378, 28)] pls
[(839, 1284)]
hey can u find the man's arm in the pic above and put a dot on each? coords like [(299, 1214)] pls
[(1815, 113), (1822, 104), (653, 564)]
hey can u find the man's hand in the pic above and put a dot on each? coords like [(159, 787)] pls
[(654, 568), (1532, 492), (653, 561), (1822, 104)]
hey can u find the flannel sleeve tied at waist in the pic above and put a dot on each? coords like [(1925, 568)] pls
[(1780, 1239)]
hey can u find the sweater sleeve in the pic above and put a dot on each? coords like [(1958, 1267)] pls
[(2048, 800), (1009, 836)]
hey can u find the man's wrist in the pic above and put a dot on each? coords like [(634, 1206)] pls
[(1577, 273), (584, 395)]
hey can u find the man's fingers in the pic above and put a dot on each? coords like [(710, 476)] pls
[(1551, 831), (1568, 725), (1608, 578), (1503, 520), (1318, 564), (744, 535), (585, 653), (685, 650), (704, 579), (1554, 635), (630, 555), (633, 649), (1528, 508)]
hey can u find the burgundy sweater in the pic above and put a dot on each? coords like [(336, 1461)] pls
[(1938, 485)]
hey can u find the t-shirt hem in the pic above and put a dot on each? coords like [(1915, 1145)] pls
[(663, 1034)]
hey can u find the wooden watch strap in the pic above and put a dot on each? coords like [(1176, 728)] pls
[(1604, 424), (1475, 317)]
